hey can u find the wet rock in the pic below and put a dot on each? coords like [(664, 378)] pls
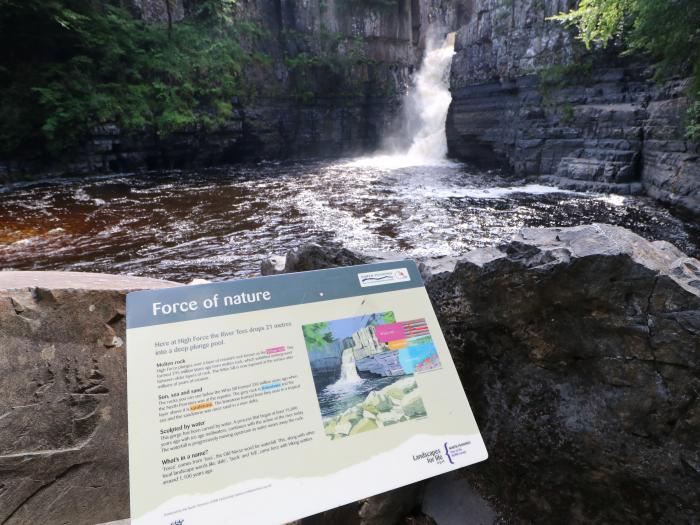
[(311, 257), (450, 500), (63, 430)]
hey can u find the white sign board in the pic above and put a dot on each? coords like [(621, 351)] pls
[(270, 399)]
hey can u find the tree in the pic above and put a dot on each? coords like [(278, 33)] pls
[(666, 30), (317, 335)]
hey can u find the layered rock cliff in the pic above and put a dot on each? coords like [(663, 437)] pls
[(578, 349), (325, 78), (526, 97)]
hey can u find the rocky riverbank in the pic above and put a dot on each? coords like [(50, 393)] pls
[(393, 404), (578, 348), (525, 97)]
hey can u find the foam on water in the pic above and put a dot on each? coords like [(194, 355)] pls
[(218, 224)]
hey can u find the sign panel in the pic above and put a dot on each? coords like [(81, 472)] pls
[(270, 399)]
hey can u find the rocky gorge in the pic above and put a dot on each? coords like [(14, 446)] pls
[(325, 79), (526, 97), (578, 349), (577, 341)]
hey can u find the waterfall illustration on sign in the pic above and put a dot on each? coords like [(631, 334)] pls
[(348, 368), (419, 139), (364, 370)]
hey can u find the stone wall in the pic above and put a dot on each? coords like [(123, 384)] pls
[(526, 98)]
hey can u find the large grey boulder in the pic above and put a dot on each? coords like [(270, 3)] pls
[(579, 349)]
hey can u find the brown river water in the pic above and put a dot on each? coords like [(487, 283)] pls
[(219, 223)]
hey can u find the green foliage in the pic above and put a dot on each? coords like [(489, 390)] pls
[(667, 30), (75, 64), (317, 335), (598, 21), (329, 69), (567, 113), (692, 125), (213, 12), (557, 76)]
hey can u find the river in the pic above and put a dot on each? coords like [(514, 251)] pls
[(408, 200), (219, 223)]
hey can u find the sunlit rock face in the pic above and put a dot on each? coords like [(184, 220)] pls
[(579, 349), (601, 123)]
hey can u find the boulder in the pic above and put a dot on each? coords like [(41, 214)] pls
[(391, 417), (63, 420), (579, 349), (363, 425), (412, 405), (379, 400), (310, 257)]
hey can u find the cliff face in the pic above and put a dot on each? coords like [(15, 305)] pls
[(522, 101), (325, 78)]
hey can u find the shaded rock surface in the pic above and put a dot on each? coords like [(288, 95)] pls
[(450, 500), (579, 349), (601, 125)]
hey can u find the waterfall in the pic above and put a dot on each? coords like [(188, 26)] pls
[(428, 101), (348, 370), (419, 137)]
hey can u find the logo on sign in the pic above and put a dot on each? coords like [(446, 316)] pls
[(397, 275)]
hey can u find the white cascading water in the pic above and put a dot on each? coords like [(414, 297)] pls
[(348, 370), (422, 127)]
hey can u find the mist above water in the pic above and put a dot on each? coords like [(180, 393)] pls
[(419, 138)]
